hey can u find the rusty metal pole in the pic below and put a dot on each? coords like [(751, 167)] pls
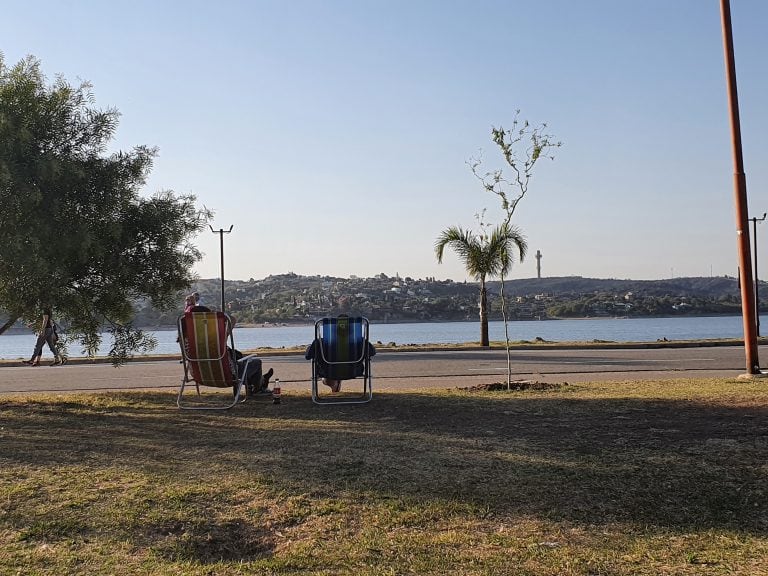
[(754, 221), (740, 196)]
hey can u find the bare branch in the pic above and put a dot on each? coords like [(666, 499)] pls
[(522, 146)]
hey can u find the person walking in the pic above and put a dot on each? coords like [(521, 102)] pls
[(46, 335)]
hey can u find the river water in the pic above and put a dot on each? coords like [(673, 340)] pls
[(13, 346)]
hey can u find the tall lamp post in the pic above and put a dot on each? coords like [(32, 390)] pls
[(757, 286), (221, 233), (740, 197)]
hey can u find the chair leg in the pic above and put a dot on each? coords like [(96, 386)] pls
[(180, 403), (364, 397)]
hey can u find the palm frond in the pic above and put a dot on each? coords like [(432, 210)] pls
[(464, 243)]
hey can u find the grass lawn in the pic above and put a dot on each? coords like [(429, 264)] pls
[(619, 478)]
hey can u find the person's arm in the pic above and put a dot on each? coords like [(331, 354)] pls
[(46, 320)]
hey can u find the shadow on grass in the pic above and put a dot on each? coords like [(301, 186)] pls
[(679, 465)]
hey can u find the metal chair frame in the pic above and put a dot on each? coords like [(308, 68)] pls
[(363, 358), (215, 360)]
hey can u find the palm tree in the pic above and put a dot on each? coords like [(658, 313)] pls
[(484, 256)]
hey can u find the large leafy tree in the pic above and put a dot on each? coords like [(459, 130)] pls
[(75, 233), (484, 256)]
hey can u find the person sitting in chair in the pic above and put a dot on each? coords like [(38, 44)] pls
[(249, 368), (322, 368)]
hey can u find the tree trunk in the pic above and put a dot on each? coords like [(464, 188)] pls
[(483, 314), (506, 333), (11, 322)]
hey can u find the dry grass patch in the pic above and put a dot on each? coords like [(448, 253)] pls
[(605, 478)]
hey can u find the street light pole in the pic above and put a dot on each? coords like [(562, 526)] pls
[(740, 197), (757, 282), (221, 233)]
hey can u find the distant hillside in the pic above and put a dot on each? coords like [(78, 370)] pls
[(292, 298), (576, 285)]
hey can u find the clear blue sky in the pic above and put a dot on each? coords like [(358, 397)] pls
[(334, 135)]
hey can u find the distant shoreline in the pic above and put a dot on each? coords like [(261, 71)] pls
[(474, 320), (165, 327)]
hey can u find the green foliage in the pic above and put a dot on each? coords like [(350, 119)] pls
[(74, 231), (127, 340), (521, 146), (483, 256)]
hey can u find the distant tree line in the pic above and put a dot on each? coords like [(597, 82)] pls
[(290, 298)]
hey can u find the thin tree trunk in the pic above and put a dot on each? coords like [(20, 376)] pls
[(483, 314), (11, 322), (506, 333)]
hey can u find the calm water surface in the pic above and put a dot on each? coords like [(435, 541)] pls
[(619, 330)]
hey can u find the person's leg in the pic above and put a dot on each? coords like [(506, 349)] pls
[(38, 351), (334, 385), (265, 379), (322, 372), (249, 370), (52, 347)]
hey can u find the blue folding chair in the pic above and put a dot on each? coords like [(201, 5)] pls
[(341, 351)]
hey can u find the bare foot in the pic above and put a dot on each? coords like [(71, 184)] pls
[(334, 385)]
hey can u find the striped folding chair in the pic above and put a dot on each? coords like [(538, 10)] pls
[(342, 351), (207, 360)]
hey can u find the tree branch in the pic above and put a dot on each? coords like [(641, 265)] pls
[(8, 324)]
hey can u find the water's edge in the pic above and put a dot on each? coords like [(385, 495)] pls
[(602, 332)]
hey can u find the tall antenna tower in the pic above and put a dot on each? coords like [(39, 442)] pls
[(538, 263)]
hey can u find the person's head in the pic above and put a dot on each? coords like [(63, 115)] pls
[(196, 296), (189, 301)]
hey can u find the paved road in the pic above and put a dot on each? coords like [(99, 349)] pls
[(443, 369)]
